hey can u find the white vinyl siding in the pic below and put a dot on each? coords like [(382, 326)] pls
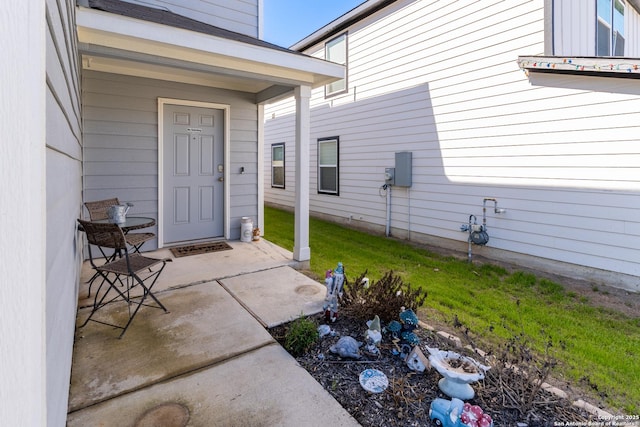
[(282, 116), (240, 16), (121, 141), (632, 32), (441, 80), (63, 200), (574, 31)]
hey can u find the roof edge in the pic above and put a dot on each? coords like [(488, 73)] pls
[(621, 67), (354, 15), (164, 16)]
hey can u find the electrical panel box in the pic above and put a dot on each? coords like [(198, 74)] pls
[(403, 169), (389, 176)]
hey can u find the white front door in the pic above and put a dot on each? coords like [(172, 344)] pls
[(193, 171)]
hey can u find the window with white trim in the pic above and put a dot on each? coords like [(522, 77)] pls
[(610, 28), (328, 177), (277, 165), (335, 50)]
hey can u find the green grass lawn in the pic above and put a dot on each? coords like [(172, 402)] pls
[(596, 348)]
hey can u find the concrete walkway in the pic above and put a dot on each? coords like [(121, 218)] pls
[(210, 360)]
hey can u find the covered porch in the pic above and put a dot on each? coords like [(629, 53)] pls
[(136, 60)]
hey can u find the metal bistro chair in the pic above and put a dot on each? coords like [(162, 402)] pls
[(130, 271), (98, 210)]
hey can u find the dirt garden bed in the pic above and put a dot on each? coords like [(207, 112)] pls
[(507, 395)]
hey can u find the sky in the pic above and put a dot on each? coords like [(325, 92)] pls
[(289, 21)]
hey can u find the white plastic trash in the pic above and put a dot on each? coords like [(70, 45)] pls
[(246, 229)]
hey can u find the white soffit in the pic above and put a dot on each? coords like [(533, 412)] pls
[(102, 35), (160, 72)]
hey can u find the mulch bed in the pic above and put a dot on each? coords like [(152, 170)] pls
[(406, 400)]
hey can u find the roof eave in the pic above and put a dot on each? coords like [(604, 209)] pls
[(600, 66), (118, 32)]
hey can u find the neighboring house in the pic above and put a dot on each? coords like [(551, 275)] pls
[(116, 94), (533, 104)]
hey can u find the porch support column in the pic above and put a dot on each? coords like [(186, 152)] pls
[(301, 250)]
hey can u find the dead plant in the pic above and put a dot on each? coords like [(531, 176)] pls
[(518, 373), (385, 298)]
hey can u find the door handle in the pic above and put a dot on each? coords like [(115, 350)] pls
[(221, 179)]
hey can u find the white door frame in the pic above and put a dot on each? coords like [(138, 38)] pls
[(227, 147)]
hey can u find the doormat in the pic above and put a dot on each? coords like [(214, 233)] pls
[(202, 248)]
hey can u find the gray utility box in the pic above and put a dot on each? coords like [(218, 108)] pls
[(402, 175)]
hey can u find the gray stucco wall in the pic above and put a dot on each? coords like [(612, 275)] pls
[(121, 142)]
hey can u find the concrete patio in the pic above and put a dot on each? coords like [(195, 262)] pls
[(209, 361)]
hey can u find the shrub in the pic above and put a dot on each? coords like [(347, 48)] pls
[(386, 297), (301, 334)]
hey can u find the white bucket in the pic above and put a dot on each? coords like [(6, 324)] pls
[(246, 229)]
